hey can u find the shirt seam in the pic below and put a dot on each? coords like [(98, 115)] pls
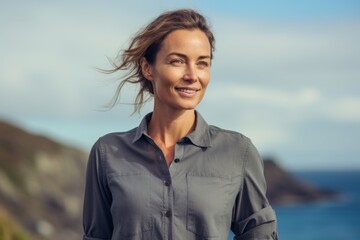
[(219, 129), (243, 171), (102, 163)]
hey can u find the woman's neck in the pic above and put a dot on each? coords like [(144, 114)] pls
[(167, 128)]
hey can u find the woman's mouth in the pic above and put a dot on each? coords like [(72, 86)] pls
[(187, 92)]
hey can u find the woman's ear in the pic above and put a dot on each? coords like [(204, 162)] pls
[(146, 69)]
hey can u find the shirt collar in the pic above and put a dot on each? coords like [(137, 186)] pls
[(199, 137), (142, 128)]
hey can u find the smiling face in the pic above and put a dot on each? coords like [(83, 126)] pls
[(181, 71)]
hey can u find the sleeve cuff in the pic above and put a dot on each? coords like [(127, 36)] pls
[(91, 238), (259, 226)]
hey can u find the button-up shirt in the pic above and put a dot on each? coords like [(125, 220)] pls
[(215, 183)]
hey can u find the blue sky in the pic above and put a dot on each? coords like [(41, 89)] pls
[(285, 73)]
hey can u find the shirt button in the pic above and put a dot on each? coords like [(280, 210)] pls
[(176, 160), (167, 183), (168, 214)]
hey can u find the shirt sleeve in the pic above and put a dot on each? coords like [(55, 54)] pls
[(253, 217), (97, 220)]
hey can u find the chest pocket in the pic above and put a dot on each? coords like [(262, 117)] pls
[(208, 203), (131, 204)]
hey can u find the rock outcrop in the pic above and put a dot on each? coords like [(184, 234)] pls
[(41, 184), (284, 188)]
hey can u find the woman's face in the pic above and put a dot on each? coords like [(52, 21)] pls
[(181, 71)]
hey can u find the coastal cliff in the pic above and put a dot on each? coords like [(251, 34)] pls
[(42, 182), (285, 188)]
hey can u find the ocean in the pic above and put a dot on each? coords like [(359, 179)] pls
[(327, 220)]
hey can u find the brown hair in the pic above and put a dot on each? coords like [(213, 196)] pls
[(147, 43)]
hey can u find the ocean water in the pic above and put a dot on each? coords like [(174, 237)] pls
[(328, 220)]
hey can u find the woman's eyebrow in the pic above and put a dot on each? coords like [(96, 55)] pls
[(177, 54), (185, 56)]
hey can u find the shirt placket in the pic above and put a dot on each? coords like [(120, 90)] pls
[(168, 191), (173, 171), (167, 209), (168, 174)]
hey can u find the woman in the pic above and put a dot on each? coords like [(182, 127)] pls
[(174, 176)]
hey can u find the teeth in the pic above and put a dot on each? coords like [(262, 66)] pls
[(186, 90)]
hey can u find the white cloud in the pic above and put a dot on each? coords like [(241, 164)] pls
[(346, 110), (48, 54), (275, 97), (266, 136), (320, 54), (308, 103)]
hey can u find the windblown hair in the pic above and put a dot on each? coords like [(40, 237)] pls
[(147, 43)]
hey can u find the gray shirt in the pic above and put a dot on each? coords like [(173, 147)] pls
[(215, 183)]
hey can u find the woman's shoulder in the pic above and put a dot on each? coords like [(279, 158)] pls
[(221, 132), (116, 137), (120, 134), (224, 138)]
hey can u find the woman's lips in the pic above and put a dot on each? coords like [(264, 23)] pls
[(187, 92)]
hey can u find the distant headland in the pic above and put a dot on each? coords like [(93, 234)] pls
[(285, 188)]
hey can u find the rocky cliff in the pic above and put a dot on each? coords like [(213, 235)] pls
[(284, 188), (42, 182)]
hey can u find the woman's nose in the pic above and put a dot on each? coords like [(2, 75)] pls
[(190, 73)]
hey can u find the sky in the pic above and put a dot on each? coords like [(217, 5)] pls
[(285, 73)]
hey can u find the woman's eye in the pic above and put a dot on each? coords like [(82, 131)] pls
[(203, 64), (176, 61)]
